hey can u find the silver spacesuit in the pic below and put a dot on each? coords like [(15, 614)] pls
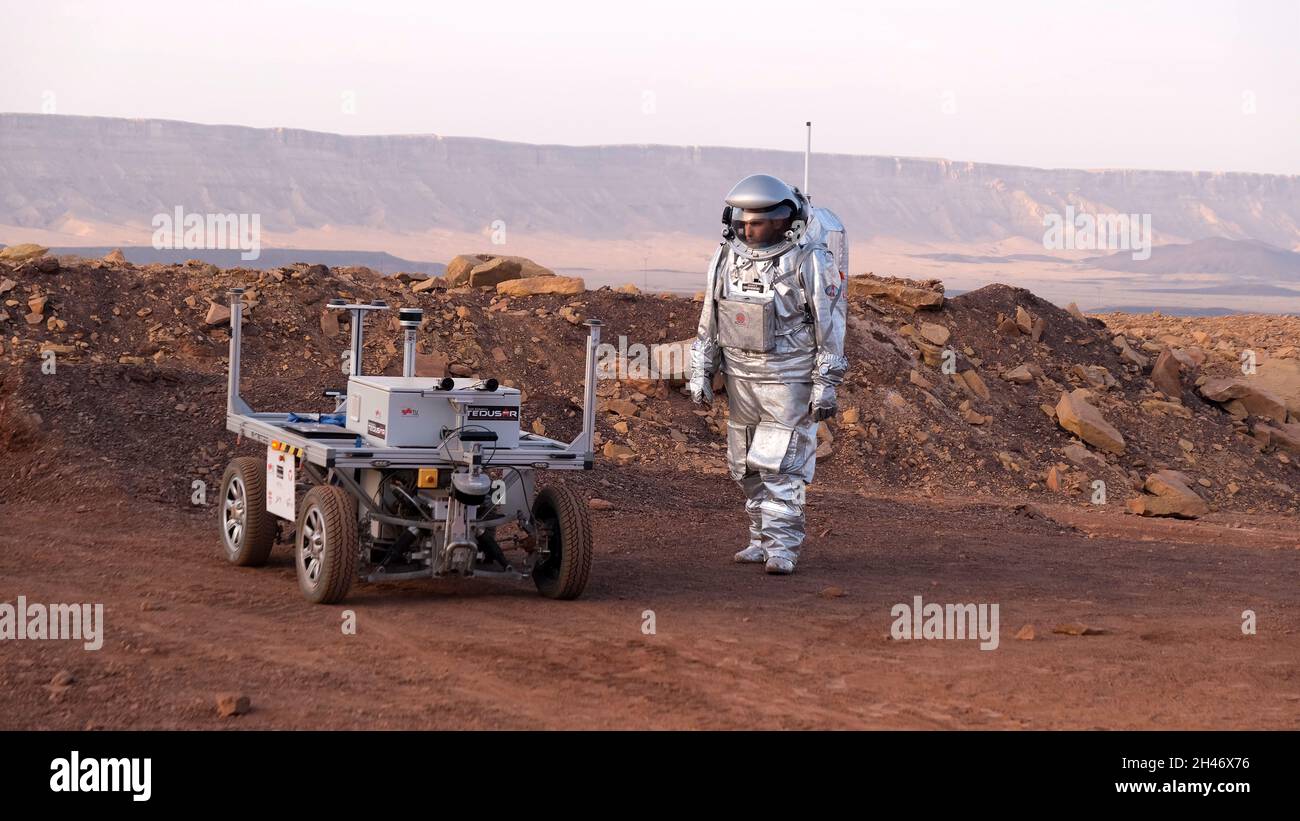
[(773, 318)]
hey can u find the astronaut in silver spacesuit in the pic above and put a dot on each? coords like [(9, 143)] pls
[(773, 319)]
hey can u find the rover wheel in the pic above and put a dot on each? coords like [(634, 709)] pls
[(563, 574), (327, 544), (247, 530)]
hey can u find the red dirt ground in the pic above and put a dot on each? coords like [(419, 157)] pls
[(733, 647)]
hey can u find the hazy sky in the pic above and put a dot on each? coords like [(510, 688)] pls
[(1057, 84)]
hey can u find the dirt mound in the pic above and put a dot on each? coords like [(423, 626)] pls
[(954, 401), (940, 432)]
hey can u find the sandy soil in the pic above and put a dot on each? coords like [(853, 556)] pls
[(733, 648)]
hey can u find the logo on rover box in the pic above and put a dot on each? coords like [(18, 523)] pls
[(740, 319), (492, 413), (377, 429), (405, 412)]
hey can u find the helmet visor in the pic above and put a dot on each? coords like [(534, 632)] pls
[(761, 229)]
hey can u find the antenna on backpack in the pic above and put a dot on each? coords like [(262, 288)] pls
[(807, 152)]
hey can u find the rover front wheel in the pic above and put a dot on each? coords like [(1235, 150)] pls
[(563, 573)]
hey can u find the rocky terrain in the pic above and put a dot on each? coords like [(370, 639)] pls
[(994, 392)]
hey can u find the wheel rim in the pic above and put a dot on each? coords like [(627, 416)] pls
[(311, 555), (235, 514)]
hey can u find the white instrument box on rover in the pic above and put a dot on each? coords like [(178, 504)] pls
[(412, 411)]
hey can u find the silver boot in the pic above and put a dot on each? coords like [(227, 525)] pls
[(779, 566), (754, 552)]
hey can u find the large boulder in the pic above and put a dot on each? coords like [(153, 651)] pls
[(1168, 493), (458, 269), (530, 286), (430, 284), (935, 333), (24, 251), (930, 352), (1075, 414), (1190, 357), (528, 268), (494, 271), (218, 314), (908, 293), (1024, 321), (1253, 396), (1167, 374), (1281, 377), (1285, 436)]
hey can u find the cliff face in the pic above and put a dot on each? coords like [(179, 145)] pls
[(54, 169)]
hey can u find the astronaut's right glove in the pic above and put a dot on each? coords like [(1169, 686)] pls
[(701, 388), (823, 404)]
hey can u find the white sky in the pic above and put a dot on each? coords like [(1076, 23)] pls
[(1057, 84)]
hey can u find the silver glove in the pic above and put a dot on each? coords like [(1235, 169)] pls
[(823, 404), (701, 388)]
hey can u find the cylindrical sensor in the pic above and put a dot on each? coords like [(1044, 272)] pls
[(409, 319)]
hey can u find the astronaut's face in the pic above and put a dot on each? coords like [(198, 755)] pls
[(762, 232), (758, 229)]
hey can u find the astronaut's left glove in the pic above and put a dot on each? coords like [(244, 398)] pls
[(701, 388), (823, 404)]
